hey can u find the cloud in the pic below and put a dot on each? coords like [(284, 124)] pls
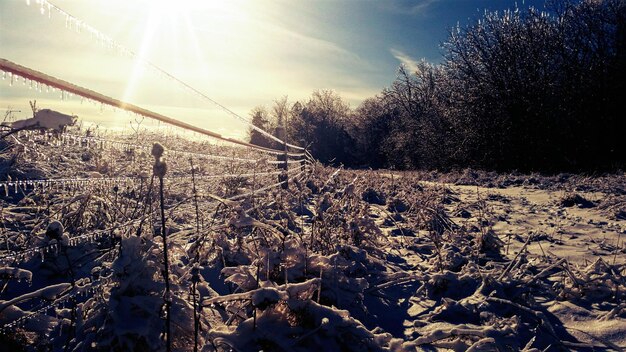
[(239, 61), (421, 6), (410, 63), (414, 7)]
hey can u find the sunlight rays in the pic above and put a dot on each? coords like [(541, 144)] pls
[(154, 20), (172, 24)]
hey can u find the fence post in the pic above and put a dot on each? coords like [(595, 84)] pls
[(283, 176), (303, 160)]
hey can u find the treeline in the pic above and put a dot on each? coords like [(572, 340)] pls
[(525, 90)]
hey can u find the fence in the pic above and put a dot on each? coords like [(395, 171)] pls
[(208, 171), (221, 163)]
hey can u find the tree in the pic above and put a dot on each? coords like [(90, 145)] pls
[(370, 128), (280, 114), (259, 119), (524, 90), (321, 123), (539, 86)]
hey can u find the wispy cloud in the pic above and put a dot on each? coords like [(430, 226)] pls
[(240, 60), (410, 63), (411, 7)]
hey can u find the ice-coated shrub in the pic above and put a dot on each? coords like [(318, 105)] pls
[(132, 320)]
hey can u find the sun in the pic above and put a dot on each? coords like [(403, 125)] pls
[(180, 23), (163, 16)]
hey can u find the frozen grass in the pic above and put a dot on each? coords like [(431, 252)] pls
[(341, 260)]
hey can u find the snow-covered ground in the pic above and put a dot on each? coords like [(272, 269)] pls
[(342, 260)]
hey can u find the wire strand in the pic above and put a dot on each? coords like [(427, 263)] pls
[(112, 43), (33, 75)]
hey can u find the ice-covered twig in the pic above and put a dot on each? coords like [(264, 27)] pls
[(15, 274), (222, 341), (605, 342), (539, 315), (481, 344), (27, 253), (50, 292), (510, 266), (546, 271), (460, 330), (397, 281), (613, 312), (258, 296), (56, 293)]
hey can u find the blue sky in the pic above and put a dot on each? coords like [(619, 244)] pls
[(242, 53)]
